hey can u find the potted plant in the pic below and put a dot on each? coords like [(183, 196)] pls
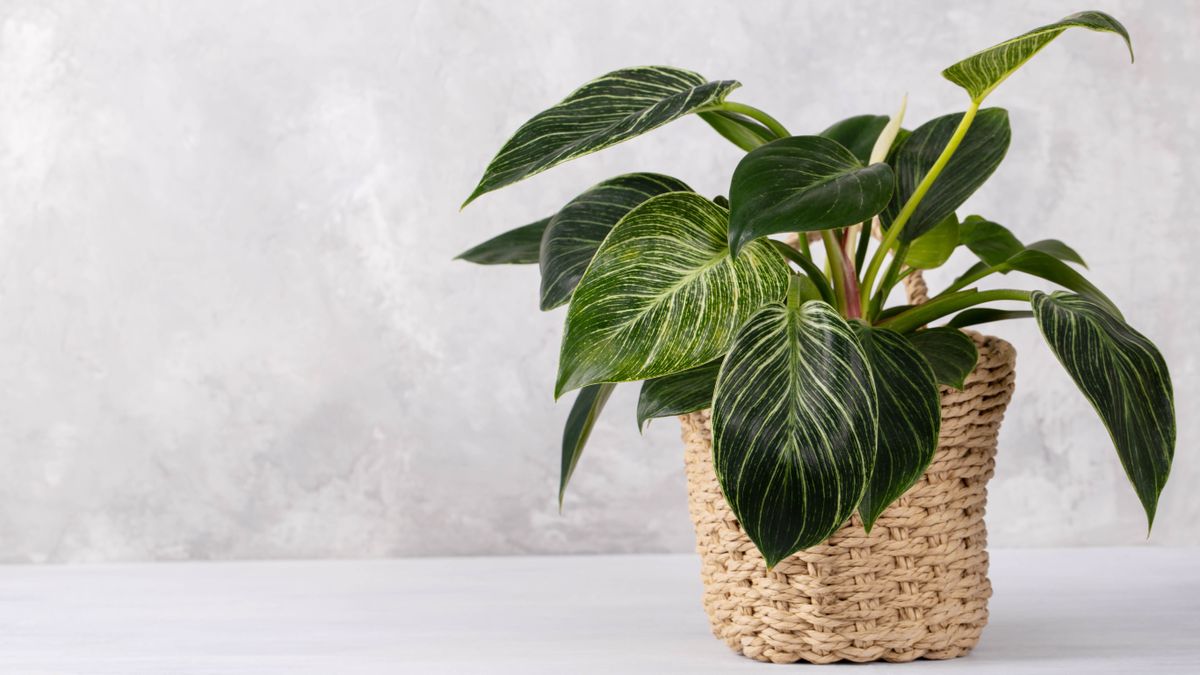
[(837, 447)]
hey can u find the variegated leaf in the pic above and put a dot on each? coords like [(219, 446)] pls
[(910, 416), (519, 246), (678, 394), (575, 232), (584, 412), (1126, 380), (983, 71), (606, 111), (794, 424), (801, 184), (663, 295), (950, 353)]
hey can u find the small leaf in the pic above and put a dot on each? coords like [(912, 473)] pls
[(992, 242), (515, 247), (978, 315), (584, 412), (793, 423), (1126, 380), (663, 295), (1059, 250), (575, 232), (983, 71), (934, 248), (1052, 269), (857, 134), (977, 156), (608, 110), (910, 415), (738, 129), (802, 184), (678, 394), (949, 351)]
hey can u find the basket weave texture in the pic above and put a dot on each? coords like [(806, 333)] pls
[(915, 587)]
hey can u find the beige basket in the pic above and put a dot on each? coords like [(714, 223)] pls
[(915, 587)]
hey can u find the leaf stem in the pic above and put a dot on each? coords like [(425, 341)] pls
[(755, 114), (918, 316), (810, 268), (890, 277), (837, 269), (968, 279)]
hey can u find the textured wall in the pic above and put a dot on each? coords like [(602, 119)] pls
[(230, 325)]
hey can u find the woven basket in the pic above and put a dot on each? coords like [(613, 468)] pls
[(915, 587)]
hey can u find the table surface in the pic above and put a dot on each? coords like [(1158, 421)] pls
[(1095, 610)]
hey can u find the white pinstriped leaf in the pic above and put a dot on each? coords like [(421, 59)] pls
[(1124, 377), (678, 394), (663, 295), (608, 110), (983, 71), (794, 426)]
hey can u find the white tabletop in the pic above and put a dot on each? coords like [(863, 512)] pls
[(1133, 610)]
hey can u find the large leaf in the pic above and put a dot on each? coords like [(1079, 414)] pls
[(934, 248), (678, 394), (910, 415), (858, 134), (738, 129), (575, 232), (983, 71), (950, 353), (584, 412), (794, 426), (606, 111), (663, 295), (1126, 380), (801, 184), (977, 156), (515, 247)]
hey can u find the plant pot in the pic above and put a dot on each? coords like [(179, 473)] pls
[(915, 587)]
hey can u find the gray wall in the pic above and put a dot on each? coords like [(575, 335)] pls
[(230, 325)]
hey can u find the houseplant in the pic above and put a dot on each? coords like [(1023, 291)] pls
[(827, 405)]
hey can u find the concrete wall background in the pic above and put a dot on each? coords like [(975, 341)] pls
[(230, 325)]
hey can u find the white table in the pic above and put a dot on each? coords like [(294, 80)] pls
[(1133, 610)]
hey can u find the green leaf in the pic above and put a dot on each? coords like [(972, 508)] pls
[(910, 416), (1050, 268), (983, 71), (857, 134), (738, 129), (678, 394), (515, 247), (608, 110), (934, 248), (801, 184), (978, 155), (584, 412), (949, 351), (663, 295), (978, 315), (793, 423), (992, 242), (1059, 250), (576, 231), (1126, 380)]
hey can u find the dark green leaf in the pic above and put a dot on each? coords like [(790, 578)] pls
[(1052, 269), (858, 134), (801, 184), (934, 248), (1126, 380), (738, 129), (678, 394), (978, 315), (515, 247), (584, 412), (794, 426), (981, 72), (910, 415), (663, 294), (606, 111), (992, 242), (949, 351), (576, 231), (977, 157), (1059, 250)]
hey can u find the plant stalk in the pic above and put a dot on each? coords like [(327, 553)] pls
[(939, 307), (837, 269)]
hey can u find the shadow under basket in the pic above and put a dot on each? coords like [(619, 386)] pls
[(915, 587)]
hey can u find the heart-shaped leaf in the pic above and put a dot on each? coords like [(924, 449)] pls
[(608, 110), (575, 232), (678, 394), (738, 129), (950, 353), (932, 249), (515, 247), (1124, 377), (977, 156), (978, 315), (584, 412), (794, 421), (801, 184), (663, 295), (857, 134), (983, 71), (910, 416)]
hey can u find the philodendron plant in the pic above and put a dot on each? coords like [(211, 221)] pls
[(824, 399)]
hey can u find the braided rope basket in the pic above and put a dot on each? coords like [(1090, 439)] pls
[(915, 587)]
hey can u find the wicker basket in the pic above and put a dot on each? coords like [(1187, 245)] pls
[(915, 587)]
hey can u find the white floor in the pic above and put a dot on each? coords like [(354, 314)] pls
[(1123, 611)]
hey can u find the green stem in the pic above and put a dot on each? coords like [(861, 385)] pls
[(969, 279), (890, 277), (802, 244), (755, 114), (864, 240), (810, 268), (939, 307), (837, 271)]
